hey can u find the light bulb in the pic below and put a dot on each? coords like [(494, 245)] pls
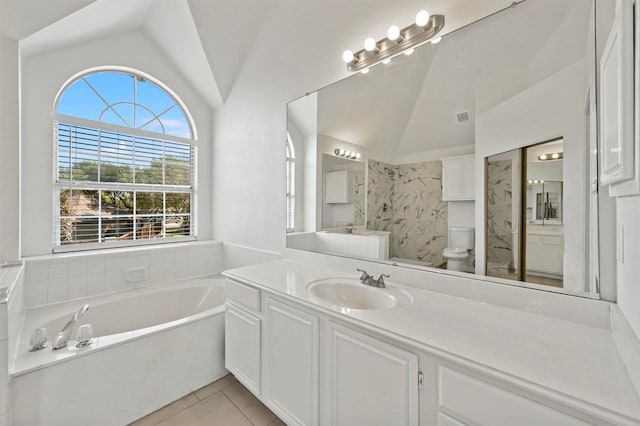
[(422, 18), (347, 56), (541, 181), (555, 156), (347, 154), (542, 157), (386, 61), (436, 40), (393, 33), (342, 151), (364, 71), (408, 51), (370, 44), (357, 155)]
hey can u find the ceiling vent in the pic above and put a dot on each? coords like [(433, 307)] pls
[(462, 116)]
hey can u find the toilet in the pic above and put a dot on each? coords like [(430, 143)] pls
[(459, 253)]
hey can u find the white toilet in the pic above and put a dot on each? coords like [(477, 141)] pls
[(459, 253)]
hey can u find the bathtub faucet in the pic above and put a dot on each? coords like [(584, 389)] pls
[(60, 341)]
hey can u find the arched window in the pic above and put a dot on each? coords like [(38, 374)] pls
[(125, 162), (291, 185)]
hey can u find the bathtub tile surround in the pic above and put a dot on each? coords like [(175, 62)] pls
[(406, 200), (359, 188), (60, 277), (499, 206), (11, 315)]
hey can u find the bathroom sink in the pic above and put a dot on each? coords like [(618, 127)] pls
[(350, 293)]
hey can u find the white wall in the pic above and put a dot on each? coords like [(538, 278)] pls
[(461, 213), (9, 151), (551, 108), (628, 265), (43, 76)]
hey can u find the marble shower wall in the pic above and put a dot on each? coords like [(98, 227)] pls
[(406, 200), (379, 191), (499, 213), (419, 214), (358, 198)]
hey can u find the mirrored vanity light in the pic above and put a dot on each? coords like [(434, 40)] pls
[(548, 157), (425, 29), (346, 154)]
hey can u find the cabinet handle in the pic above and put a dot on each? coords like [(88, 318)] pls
[(420, 380)]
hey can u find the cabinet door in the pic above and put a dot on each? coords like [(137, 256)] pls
[(371, 382), (451, 188), (291, 367), (468, 172), (337, 187), (242, 347)]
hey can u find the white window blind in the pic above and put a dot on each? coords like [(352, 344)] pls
[(112, 186)]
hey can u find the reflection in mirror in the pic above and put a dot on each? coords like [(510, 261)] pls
[(534, 253), (424, 126)]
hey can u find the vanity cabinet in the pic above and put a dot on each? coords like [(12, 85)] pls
[(338, 187), (370, 381), (291, 362), (458, 178), (320, 368), (467, 400), (242, 346)]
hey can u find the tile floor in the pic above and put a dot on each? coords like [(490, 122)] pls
[(223, 402)]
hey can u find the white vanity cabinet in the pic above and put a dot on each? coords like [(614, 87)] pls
[(467, 400), (242, 330), (291, 362), (458, 178), (370, 382)]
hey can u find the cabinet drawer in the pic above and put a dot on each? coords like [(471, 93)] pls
[(477, 402), (243, 295)]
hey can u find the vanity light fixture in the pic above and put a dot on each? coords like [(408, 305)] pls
[(397, 41), (554, 156), (346, 154), (536, 181)]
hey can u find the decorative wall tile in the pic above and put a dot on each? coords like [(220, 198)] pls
[(358, 198), (499, 213), (406, 200)]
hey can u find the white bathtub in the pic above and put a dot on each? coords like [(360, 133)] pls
[(152, 346)]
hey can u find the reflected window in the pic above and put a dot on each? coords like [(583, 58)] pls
[(291, 184), (125, 163)]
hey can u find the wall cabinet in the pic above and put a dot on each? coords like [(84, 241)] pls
[(544, 253), (291, 362), (458, 178), (338, 187), (371, 382)]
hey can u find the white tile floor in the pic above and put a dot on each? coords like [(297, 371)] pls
[(223, 402)]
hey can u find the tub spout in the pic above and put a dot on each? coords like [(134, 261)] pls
[(61, 339)]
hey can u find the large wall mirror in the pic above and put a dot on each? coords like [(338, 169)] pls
[(471, 155)]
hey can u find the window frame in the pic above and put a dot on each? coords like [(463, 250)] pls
[(60, 185)]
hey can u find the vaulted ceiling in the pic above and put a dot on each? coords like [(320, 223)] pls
[(209, 41)]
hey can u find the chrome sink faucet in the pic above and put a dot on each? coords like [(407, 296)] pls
[(367, 279), (61, 339)]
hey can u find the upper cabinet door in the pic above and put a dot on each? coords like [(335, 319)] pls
[(337, 188), (451, 176), (468, 186), (616, 99)]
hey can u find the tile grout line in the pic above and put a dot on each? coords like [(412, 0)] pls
[(235, 405)]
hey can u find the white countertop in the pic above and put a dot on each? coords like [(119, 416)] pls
[(565, 358)]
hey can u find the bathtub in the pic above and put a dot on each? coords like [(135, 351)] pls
[(152, 346)]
